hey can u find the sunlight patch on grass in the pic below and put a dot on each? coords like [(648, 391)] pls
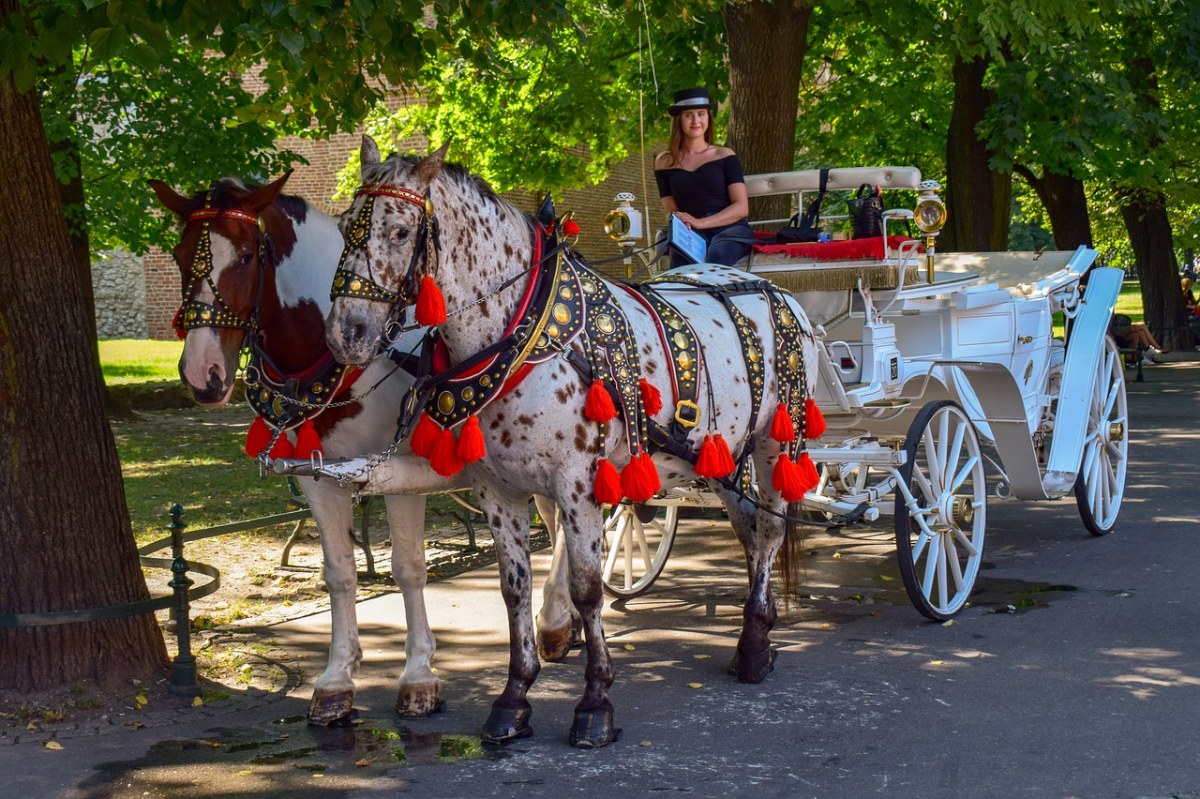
[(126, 361)]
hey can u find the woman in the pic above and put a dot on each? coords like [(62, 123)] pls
[(702, 183)]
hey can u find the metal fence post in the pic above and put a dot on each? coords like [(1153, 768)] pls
[(183, 671)]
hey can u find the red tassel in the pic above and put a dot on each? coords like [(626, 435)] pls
[(782, 429), (639, 479), (651, 398), (307, 440), (444, 458), (180, 333), (714, 459), (570, 229), (599, 406), (786, 479), (424, 437), (431, 308), (257, 437), (283, 448), (470, 441), (607, 487), (814, 420), (807, 472)]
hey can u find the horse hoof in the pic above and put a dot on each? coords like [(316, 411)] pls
[(553, 645), (752, 668), (327, 710), (506, 724), (418, 702), (593, 729)]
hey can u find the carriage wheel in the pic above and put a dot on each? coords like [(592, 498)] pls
[(1100, 486), (941, 510), (637, 542)]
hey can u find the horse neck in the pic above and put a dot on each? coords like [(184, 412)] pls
[(296, 288), (473, 267)]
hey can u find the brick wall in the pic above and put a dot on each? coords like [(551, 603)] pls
[(316, 183)]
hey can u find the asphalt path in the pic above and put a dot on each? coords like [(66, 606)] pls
[(1075, 672)]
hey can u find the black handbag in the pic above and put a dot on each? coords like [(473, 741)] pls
[(865, 210), (805, 227)]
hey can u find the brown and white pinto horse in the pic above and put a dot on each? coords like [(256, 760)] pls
[(415, 219), (256, 267)]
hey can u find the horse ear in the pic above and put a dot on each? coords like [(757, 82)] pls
[(369, 153), (261, 198), (431, 164), (171, 199)]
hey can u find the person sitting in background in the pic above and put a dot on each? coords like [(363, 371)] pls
[(1189, 299), (1131, 335), (702, 183)]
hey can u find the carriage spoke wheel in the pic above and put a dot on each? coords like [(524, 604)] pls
[(637, 541), (940, 518), (1100, 486)]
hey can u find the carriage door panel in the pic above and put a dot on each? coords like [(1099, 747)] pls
[(1031, 355)]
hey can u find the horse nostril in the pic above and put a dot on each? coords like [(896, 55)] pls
[(215, 381)]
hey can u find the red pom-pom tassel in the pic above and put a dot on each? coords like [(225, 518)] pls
[(786, 479), (444, 458), (431, 307), (570, 228), (814, 420), (639, 478), (599, 406), (714, 459), (470, 441), (283, 448), (807, 473), (180, 333), (307, 440), (607, 487), (651, 398), (257, 437), (782, 429), (424, 438)]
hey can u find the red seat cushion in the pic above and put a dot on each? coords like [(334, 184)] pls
[(846, 250)]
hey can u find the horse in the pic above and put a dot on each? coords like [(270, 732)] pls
[(256, 266), (555, 377)]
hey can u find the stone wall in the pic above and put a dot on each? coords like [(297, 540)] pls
[(120, 293)]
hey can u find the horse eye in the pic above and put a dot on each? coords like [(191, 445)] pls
[(246, 259), (399, 234)]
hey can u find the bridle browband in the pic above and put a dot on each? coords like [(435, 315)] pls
[(365, 287), (192, 312)]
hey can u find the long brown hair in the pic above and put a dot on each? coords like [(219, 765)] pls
[(675, 143)]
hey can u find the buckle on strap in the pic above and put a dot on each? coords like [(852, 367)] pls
[(687, 414)]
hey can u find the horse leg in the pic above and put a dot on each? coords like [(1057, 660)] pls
[(583, 523), (419, 693), (761, 537), (333, 692), (558, 624), (509, 520)]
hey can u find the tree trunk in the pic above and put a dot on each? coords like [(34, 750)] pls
[(65, 541), (978, 199), (1065, 202), (1145, 215), (767, 42)]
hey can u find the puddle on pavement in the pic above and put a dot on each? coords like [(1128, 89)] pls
[(1016, 596), (288, 756)]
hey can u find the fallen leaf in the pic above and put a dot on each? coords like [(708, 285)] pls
[(646, 743), (629, 647), (826, 626), (362, 762), (318, 776), (936, 662), (52, 745), (837, 555), (137, 725), (141, 701), (695, 685), (243, 773), (947, 622), (31, 727), (197, 702), (701, 657)]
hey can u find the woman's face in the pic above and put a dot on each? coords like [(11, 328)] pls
[(694, 122)]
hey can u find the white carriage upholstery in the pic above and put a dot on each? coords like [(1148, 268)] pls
[(847, 178)]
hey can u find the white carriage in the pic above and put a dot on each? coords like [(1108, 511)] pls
[(941, 382)]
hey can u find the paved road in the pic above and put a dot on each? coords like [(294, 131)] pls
[(1087, 686)]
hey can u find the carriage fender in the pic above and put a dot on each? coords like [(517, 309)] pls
[(1085, 349)]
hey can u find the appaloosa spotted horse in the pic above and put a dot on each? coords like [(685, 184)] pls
[(548, 379), (256, 266)]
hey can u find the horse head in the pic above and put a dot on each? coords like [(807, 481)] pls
[(223, 254)]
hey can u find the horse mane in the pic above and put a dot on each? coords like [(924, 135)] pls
[(227, 193), (396, 166)]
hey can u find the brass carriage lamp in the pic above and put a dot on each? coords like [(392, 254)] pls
[(624, 225), (930, 215)]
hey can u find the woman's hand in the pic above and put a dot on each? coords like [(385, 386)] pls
[(692, 222)]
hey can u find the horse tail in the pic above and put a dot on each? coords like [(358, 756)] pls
[(788, 561)]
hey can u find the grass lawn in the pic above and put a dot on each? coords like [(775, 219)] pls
[(126, 360)]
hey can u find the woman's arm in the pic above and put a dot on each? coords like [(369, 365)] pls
[(738, 208)]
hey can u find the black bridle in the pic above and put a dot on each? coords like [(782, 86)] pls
[(428, 246)]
